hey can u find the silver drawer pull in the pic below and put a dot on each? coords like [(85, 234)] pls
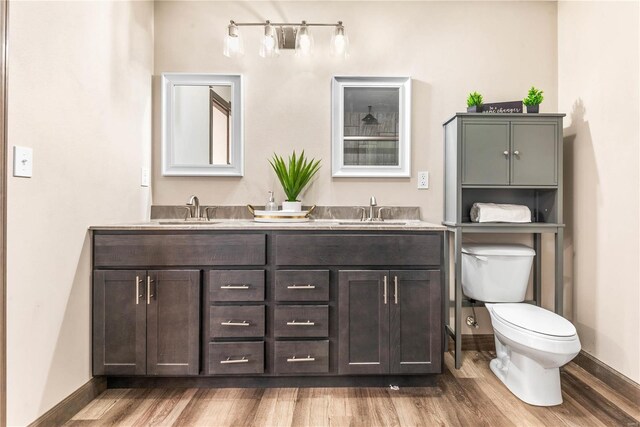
[(230, 360), (301, 287), (234, 287), (231, 323), (296, 323), (301, 359)]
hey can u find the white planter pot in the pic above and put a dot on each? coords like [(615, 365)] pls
[(292, 206)]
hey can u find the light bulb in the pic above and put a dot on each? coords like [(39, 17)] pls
[(269, 44), (339, 42), (233, 45), (304, 41)]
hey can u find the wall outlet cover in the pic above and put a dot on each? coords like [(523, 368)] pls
[(22, 162), (145, 177), (423, 180)]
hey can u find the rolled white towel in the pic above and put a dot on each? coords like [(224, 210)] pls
[(495, 212)]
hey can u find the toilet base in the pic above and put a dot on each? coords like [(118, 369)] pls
[(527, 379)]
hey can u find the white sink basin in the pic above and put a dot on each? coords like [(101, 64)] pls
[(389, 222), (183, 222)]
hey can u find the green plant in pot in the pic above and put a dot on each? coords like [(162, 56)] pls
[(533, 100), (294, 175), (474, 103)]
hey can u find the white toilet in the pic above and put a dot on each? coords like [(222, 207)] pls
[(531, 343)]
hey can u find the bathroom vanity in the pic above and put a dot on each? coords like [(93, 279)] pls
[(311, 303)]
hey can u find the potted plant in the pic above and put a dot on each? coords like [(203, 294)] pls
[(533, 100), (294, 175), (474, 103)]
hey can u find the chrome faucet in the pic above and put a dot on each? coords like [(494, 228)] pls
[(195, 203), (372, 204)]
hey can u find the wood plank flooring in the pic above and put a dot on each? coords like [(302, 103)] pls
[(471, 396)]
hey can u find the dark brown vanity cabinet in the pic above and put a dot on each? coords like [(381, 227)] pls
[(390, 322), (235, 320), (266, 304), (146, 322)]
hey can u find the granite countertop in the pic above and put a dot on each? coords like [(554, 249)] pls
[(397, 218), (243, 224)]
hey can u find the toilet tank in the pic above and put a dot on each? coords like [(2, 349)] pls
[(496, 273)]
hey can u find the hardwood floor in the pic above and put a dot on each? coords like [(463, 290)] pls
[(471, 396)]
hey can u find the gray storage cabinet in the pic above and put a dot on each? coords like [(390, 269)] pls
[(502, 158)]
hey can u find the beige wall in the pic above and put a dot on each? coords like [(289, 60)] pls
[(448, 48), (80, 96), (598, 80)]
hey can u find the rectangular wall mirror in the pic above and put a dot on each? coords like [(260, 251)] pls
[(202, 125), (371, 118)]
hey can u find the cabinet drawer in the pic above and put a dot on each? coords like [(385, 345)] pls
[(302, 285), (236, 285), (358, 249), (162, 250), (301, 357), (301, 321), (236, 358), (238, 321)]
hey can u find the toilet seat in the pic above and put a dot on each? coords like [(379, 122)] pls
[(527, 337), (534, 319)]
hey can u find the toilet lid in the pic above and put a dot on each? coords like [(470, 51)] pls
[(535, 319)]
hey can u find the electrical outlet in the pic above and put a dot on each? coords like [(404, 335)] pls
[(423, 180), (145, 179)]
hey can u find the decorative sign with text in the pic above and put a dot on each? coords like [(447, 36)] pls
[(503, 107)]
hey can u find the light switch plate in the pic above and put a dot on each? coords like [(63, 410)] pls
[(423, 180), (22, 161), (145, 177)]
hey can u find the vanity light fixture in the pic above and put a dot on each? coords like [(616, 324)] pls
[(233, 45), (279, 36)]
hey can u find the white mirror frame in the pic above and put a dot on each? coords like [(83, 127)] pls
[(236, 166), (403, 170)]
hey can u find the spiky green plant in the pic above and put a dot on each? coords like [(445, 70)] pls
[(295, 174), (534, 97), (474, 99)]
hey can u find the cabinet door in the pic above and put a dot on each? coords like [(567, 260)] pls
[(363, 322), (173, 319), (415, 322), (119, 323), (483, 148), (534, 153)]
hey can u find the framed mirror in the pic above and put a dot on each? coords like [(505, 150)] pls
[(371, 126), (202, 125)]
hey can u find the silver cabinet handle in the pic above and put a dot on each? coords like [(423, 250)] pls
[(232, 323), (301, 287), (296, 323), (506, 153), (517, 153), (395, 288), (138, 294), (301, 359), (385, 289), (230, 360), (234, 287), (149, 295)]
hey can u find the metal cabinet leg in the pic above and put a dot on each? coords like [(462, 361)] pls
[(458, 297), (559, 254), (446, 299), (537, 269)]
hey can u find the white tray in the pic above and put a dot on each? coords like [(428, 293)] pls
[(280, 216)]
